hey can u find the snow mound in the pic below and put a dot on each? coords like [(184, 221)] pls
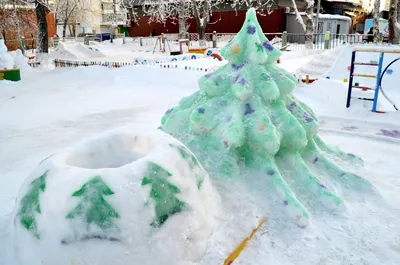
[(6, 60), (115, 199), (75, 51)]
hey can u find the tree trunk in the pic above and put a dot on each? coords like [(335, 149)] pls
[(393, 33), (17, 27), (74, 28), (182, 26), (65, 28), (201, 21), (398, 11), (309, 25), (43, 35), (202, 35), (377, 6)]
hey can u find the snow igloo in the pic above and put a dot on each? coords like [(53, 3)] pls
[(115, 199)]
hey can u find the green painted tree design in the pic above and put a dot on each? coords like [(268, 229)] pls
[(30, 205), (162, 192), (93, 208)]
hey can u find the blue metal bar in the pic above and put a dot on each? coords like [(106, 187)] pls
[(378, 78), (353, 57), (155, 46)]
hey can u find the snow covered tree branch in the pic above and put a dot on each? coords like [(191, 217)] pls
[(200, 10), (298, 15), (309, 24)]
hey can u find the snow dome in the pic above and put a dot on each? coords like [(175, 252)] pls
[(112, 200)]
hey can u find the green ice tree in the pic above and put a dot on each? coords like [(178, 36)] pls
[(245, 114)]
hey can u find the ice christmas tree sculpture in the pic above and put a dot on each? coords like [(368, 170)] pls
[(244, 115)]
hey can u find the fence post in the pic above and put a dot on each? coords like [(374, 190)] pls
[(214, 39), (284, 40), (327, 39), (141, 42)]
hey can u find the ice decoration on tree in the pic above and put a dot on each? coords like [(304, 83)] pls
[(30, 205), (6, 61), (245, 115), (162, 192)]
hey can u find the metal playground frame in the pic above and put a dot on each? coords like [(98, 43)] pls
[(378, 76)]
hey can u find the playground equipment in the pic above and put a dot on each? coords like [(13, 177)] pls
[(378, 76), (162, 41), (181, 42)]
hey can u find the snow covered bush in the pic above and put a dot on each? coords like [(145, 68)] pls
[(112, 200)]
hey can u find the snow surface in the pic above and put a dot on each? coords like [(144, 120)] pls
[(48, 111)]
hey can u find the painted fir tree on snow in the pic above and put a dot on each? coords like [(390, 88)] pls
[(162, 192), (30, 205), (93, 208), (244, 111)]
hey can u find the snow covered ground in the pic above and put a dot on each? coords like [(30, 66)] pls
[(51, 110)]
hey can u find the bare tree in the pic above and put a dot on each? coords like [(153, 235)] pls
[(43, 34), (298, 16), (200, 10), (70, 11), (377, 5), (308, 26), (393, 32), (16, 20)]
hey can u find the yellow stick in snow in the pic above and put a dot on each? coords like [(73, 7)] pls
[(242, 245)]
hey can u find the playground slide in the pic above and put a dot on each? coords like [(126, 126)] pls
[(319, 65), (75, 51)]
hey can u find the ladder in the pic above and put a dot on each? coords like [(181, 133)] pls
[(365, 88)]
